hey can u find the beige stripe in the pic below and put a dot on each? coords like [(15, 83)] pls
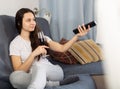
[(94, 54), (76, 56), (96, 48), (84, 54), (89, 52)]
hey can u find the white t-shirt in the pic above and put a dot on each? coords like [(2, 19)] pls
[(22, 47)]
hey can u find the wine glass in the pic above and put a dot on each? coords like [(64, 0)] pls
[(43, 41)]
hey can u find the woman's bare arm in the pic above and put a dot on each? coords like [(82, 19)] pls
[(18, 65), (62, 48), (25, 66)]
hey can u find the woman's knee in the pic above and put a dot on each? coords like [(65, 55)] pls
[(55, 73), (19, 79)]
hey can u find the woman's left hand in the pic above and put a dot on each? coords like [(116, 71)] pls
[(82, 30)]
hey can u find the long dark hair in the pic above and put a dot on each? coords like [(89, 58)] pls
[(34, 34)]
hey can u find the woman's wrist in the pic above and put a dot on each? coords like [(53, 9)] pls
[(32, 55), (76, 37)]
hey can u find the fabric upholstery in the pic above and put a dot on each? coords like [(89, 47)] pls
[(86, 51), (95, 68), (85, 82), (7, 32), (5, 85)]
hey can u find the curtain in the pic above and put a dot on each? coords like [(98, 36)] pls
[(67, 15)]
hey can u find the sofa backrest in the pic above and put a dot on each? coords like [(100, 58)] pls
[(7, 33)]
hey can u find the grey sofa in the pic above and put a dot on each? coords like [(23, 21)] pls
[(8, 32)]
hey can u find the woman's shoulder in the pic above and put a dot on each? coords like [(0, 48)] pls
[(16, 40)]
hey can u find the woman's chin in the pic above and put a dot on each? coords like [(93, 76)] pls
[(31, 30)]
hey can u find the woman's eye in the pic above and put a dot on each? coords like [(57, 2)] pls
[(28, 20)]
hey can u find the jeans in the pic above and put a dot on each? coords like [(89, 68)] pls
[(42, 73)]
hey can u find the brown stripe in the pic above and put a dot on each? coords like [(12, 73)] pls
[(85, 53), (97, 49), (80, 51), (86, 47), (92, 49), (83, 62), (96, 58)]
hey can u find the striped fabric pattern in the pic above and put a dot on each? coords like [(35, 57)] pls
[(86, 51)]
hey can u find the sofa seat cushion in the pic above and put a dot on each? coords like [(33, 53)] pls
[(85, 82), (5, 85), (89, 68)]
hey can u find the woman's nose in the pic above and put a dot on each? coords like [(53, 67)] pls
[(33, 22)]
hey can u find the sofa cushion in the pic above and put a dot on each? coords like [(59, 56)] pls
[(5, 64), (85, 82), (5, 85), (86, 51), (93, 68), (7, 33)]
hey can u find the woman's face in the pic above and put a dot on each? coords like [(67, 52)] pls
[(28, 22)]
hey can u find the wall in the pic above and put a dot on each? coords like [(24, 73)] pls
[(108, 15), (9, 7)]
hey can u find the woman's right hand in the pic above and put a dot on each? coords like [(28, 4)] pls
[(40, 50), (82, 30)]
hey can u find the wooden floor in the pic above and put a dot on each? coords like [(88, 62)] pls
[(99, 81)]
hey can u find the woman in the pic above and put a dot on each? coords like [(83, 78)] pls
[(31, 69)]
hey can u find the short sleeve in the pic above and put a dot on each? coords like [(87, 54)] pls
[(14, 49)]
